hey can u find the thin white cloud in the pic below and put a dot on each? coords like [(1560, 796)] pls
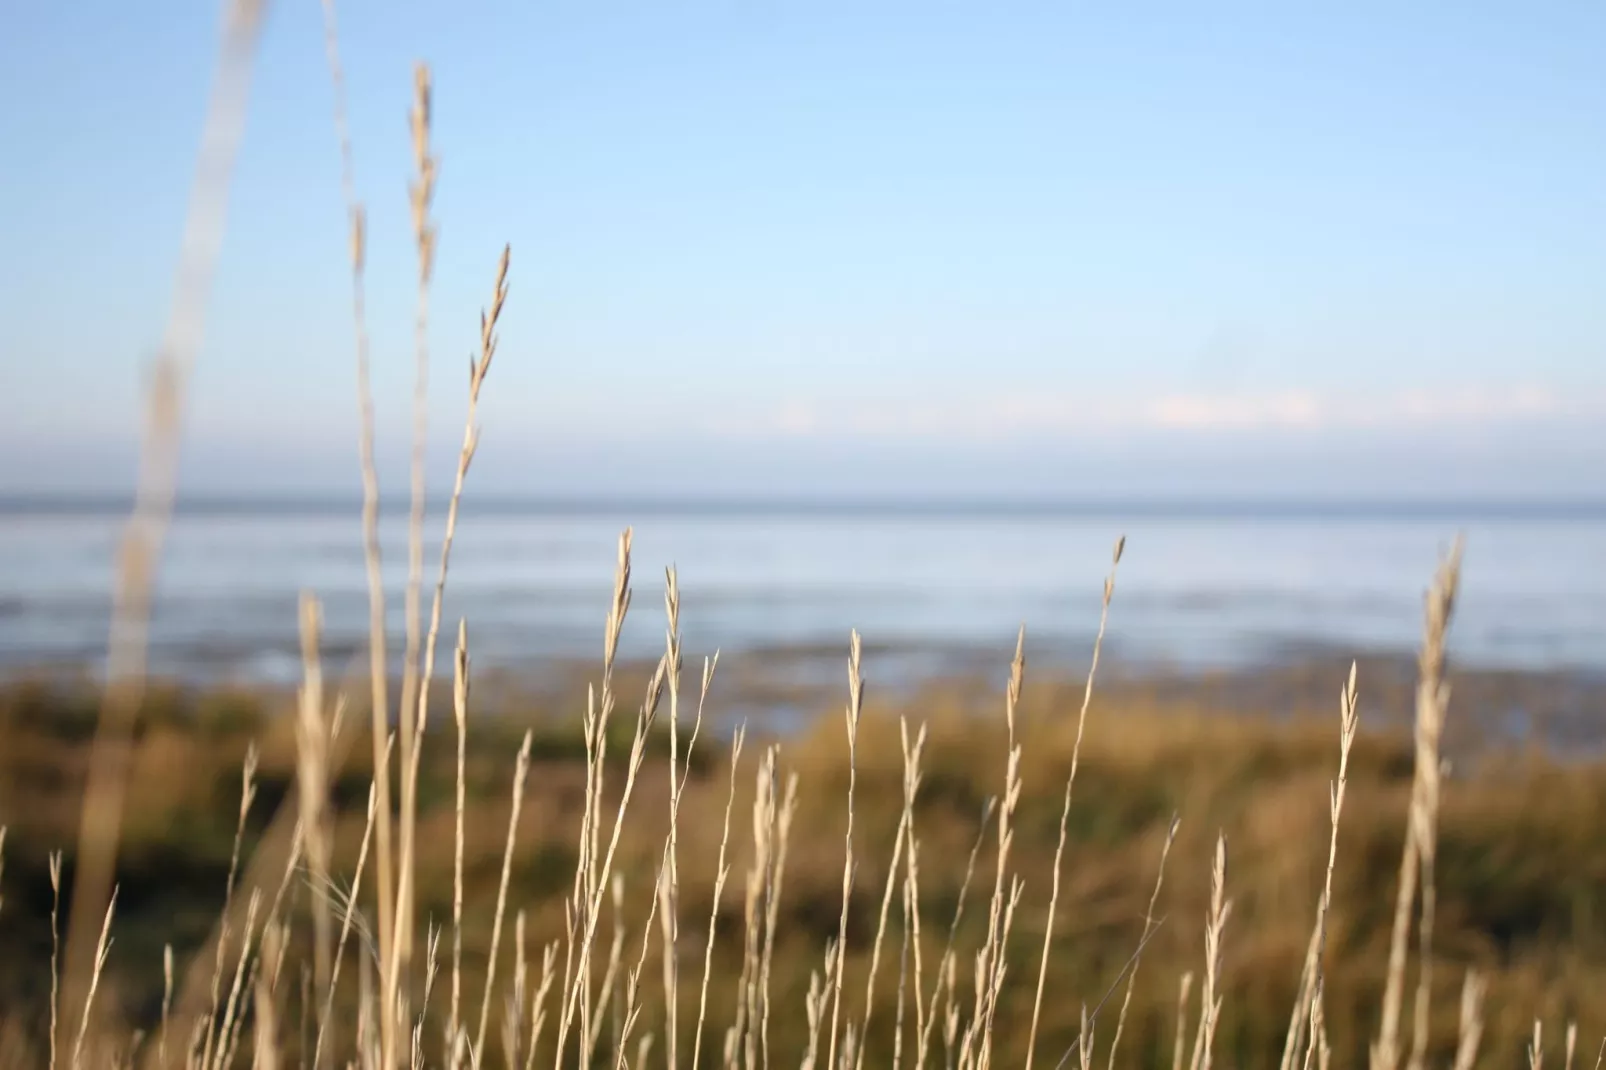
[(1286, 412)]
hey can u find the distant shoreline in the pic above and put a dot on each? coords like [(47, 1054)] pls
[(1455, 510), (786, 689)]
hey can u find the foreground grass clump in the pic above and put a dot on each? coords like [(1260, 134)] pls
[(1520, 860)]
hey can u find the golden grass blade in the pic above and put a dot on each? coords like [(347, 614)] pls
[(167, 1000), (1215, 924), (1149, 923), (1311, 976), (220, 1059), (1179, 1049), (610, 975), (549, 959), (946, 962), (1432, 700), (905, 824), (855, 709), (378, 671), (55, 955), (460, 692), (420, 193), (312, 782), (976, 1051), (247, 797), (1432, 706), (748, 983), (345, 929), (520, 774), (721, 871), (1473, 988), (101, 820), (670, 913), (1065, 809), (266, 1053), (638, 746), (377, 645)]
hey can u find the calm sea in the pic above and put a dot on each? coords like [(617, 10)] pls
[(1201, 585)]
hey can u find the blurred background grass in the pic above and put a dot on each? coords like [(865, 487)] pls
[(1522, 854)]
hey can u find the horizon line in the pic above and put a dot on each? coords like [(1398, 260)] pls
[(1152, 506)]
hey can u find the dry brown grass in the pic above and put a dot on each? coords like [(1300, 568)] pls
[(1515, 850)]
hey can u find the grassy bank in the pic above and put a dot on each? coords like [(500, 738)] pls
[(1520, 861)]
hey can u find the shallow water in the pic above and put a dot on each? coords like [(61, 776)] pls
[(1224, 586)]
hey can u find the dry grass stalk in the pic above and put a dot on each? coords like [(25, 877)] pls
[(247, 797), (1210, 995), (278, 850), (460, 691), (1572, 1044), (670, 885), (911, 881), (759, 874), (855, 709), (520, 773), (588, 881), (513, 1011), (549, 959), (999, 967), (721, 873), (367, 1031), (1311, 975), (1471, 1030), (911, 782), (55, 955), (379, 701), (478, 370), (102, 808), (610, 975), (1416, 863), (989, 960), (903, 976), (312, 782), (1536, 1047), (275, 914), (266, 1048), (1065, 810), (1432, 705), (1179, 1048), (347, 917), (1318, 1031), (420, 193), (431, 972), (1149, 924), (950, 1024), (218, 1060), (167, 1000), (772, 910), (660, 903), (946, 962), (638, 747), (814, 1006)]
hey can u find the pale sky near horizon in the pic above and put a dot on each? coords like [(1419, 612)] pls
[(838, 245)]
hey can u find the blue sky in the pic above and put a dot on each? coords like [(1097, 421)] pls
[(840, 246)]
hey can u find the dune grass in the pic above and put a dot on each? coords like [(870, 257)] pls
[(1518, 866)]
